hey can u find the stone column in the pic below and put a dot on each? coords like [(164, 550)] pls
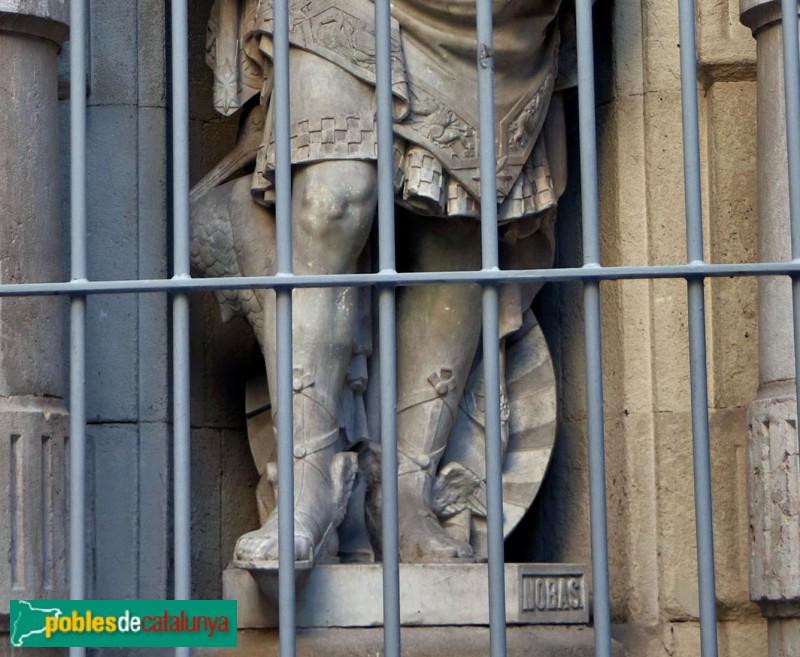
[(774, 502), (33, 420)]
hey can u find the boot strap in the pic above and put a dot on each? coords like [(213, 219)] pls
[(312, 445), (303, 384), (415, 461), (442, 383)]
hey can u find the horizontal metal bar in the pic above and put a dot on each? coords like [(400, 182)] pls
[(282, 281)]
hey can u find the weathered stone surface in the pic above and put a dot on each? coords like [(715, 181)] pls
[(33, 421), (784, 637), (29, 231), (774, 501), (44, 18), (128, 488), (420, 642), (773, 459), (33, 500), (57, 10), (115, 502), (345, 595), (725, 49)]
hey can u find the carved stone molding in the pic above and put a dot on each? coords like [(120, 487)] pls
[(757, 14), (774, 501), (48, 19)]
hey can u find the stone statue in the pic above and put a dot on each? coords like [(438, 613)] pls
[(437, 184)]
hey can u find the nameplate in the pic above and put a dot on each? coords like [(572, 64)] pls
[(553, 594)]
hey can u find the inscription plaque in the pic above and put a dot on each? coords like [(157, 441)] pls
[(553, 597)]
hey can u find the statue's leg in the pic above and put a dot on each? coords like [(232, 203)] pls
[(332, 207), (333, 203), (437, 335)]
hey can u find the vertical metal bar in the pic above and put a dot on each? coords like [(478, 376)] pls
[(697, 332), (387, 331), (283, 309), (180, 306), (490, 312), (791, 77), (487, 153), (494, 471), (388, 383), (592, 331), (77, 348)]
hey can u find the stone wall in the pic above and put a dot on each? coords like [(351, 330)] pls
[(651, 518), (648, 424), (128, 357), (645, 337)]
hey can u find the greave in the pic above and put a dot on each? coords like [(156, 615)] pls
[(430, 412)]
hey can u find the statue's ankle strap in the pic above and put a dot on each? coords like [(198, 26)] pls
[(411, 460), (441, 384), (306, 446), (304, 383)]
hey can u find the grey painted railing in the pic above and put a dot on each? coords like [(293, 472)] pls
[(591, 274)]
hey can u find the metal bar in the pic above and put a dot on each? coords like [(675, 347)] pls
[(180, 307), (697, 332), (389, 495), (77, 468), (387, 331), (494, 471), (77, 349), (702, 470), (638, 272), (791, 77), (597, 469), (283, 330), (490, 313), (286, 555), (598, 512), (487, 153)]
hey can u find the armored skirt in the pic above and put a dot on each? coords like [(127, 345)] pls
[(434, 76)]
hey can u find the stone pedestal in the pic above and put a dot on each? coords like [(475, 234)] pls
[(33, 421), (443, 611), (349, 595), (773, 484), (541, 641)]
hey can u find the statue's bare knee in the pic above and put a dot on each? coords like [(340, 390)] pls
[(333, 205)]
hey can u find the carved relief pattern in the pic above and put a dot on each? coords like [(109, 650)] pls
[(344, 37), (774, 500), (337, 31), (324, 138), (523, 128), (453, 138)]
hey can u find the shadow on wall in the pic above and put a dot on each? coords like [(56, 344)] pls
[(556, 527)]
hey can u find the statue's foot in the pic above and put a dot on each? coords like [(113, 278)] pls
[(262, 544), (422, 538), (321, 487)]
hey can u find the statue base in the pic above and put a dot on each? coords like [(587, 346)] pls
[(542, 641), (350, 595)]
